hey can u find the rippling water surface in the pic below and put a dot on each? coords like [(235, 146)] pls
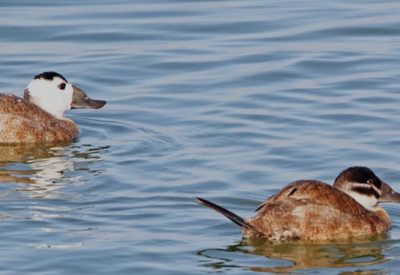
[(229, 100)]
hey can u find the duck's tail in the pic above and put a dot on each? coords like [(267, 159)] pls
[(232, 216)]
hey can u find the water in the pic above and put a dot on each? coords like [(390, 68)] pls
[(229, 100)]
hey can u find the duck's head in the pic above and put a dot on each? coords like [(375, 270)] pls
[(54, 94), (365, 187)]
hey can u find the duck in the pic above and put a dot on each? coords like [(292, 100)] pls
[(38, 117), (314, 211)]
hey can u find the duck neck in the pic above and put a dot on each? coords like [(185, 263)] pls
[(382, 214)]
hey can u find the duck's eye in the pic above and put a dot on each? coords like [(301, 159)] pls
[(370, 181), (62, 86)]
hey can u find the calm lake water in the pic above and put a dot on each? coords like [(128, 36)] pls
[(228, 100)]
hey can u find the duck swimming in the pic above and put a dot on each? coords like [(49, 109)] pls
[(314, 211), (39, 115)]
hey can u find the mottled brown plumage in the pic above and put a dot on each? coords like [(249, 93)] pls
[(24, 122), (314, 211)]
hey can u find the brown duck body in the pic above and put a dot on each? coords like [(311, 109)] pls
[(24, 122), (314, 211)]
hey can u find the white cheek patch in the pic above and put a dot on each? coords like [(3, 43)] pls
[(48, 96), (369, 202)]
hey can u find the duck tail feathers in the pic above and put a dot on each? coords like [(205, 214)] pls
[(232, 216)]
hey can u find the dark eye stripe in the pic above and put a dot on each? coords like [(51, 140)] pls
[(374, 182), (366, 191)]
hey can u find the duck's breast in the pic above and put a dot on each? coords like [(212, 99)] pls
[(24, 122)]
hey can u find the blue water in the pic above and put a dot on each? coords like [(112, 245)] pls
[(229, 100)]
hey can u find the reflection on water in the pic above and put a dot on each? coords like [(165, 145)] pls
[(44, 169), (289, 257), (14, 153)]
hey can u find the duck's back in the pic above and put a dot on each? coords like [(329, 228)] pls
[(24, 122), (313, 210)]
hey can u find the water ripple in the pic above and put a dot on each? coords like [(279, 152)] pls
[(230, 100)]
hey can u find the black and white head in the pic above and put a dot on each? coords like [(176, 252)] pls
[(365, 187), (54, 94)]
